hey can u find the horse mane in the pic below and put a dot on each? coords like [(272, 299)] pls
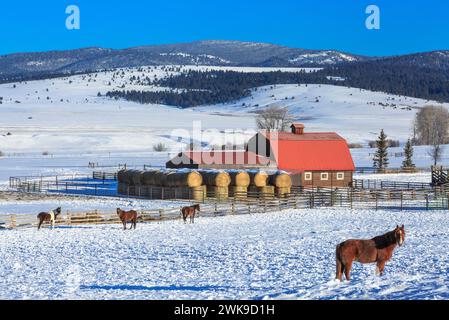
[(385, 240)]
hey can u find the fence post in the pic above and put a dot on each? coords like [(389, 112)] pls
[(69, 218), (402, 198), (427, 202), (13, 221), (351, 196), (447, 199), (377, 194)]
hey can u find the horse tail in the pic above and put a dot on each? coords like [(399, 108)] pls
[(339, 263)]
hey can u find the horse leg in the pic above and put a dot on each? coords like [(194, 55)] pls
[(380, 268), (347, 267), (135, 222), (39, 225), (124, 225), (339, 269)]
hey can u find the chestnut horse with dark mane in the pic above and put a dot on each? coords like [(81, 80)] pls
[(190, 212), (378, 249), (48, 216), (126, 216)]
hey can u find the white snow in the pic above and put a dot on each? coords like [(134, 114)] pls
[(282, 255)]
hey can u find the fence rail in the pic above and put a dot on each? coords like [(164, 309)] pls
[(396, 185), (99, 184), (244, 204)]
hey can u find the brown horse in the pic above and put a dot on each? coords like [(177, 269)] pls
[(48, 216), (126, 216), (190, 212), (378, 249)]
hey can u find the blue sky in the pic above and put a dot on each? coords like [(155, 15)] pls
[(406, 26)]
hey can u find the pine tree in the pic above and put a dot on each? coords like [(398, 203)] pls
[(408, 152), (380, 160)]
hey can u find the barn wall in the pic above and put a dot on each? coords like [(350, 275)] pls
[(332, 182)]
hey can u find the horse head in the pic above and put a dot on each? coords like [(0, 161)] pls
[(197, 207), (399, 235), (58, 211), (119, 211)]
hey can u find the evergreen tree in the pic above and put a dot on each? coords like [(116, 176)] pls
[(408, 152), (380, 160)]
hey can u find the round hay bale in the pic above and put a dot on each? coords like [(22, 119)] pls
[(122, 188), (153, 178), (216, 178), (191, 179), (169, 179), (130, 176), (198, 193), (239, 178), (282, 192), (281, 180), (121, 176), (148, 177), (221, 193), (258, 178), (238, 192), (135, 177)]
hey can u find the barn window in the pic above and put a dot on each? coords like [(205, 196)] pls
[(340, 176), (308, 176), (324, 176)]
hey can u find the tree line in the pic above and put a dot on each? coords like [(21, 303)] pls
[(212, 87)]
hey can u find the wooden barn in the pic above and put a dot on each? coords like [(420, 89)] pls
[(314, 159)]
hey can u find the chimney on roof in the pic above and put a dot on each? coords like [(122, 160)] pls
[(297, 128)]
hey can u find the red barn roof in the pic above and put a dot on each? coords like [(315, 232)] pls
[(321, 151)]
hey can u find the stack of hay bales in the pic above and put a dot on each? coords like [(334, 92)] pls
[(134, 178), (180, 180), (218, 182), (129, 182), (282, 183), (260, 184), (151, 180), (173, 184), (122, 187), (240, 181)]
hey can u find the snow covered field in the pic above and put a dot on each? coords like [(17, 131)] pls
[(66, 113), (281, 255), (64, 117)]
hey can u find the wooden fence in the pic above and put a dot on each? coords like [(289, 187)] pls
[(241, 204), (395, 185), (97, 184)]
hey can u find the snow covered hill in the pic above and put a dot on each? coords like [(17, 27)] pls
[(65, 116), (207, 53)]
